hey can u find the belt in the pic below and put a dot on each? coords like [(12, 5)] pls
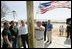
[(24, 34)]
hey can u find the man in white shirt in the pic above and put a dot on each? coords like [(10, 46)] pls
[(61, 29), (39, 35), (23, 32)]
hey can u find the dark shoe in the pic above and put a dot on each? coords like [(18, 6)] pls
[(50, 42), (47, 41)]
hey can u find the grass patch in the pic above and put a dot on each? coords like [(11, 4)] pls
[(58, 22)]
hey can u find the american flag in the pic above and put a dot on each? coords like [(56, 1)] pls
[(44, 7)]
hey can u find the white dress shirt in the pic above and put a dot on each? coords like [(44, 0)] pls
[(61, 28), (23, 30)]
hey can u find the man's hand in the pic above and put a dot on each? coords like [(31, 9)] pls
[(10, 45), (49, 29), (7, 41)]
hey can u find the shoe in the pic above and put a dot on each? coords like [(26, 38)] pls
[(22, 47), (50, 42), (47, 41)]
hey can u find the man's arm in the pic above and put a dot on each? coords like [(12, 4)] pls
[(37, 28), (7, 41), (51, 26), (42, 28), (1, 37), (20, 29)]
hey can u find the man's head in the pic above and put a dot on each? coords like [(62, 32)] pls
[(12, 23), (6, 25), (22, 22), (49, 21), (16, 23), (39, 23), (46, 22)]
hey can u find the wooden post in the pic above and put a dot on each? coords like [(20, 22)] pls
[(30, 20)]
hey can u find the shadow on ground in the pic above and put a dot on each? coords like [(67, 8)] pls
[(67, 41), (46, 45)]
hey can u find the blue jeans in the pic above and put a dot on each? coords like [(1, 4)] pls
[(14, 42)]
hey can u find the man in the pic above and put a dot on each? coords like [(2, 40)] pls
[(39, 35), (23, 32), (68, 22), (44, 24), (18, 39), (49, 31), (14, 31), (17, 25), (61, 29), (7, 38)]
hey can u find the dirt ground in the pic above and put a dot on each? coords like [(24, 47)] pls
[(56, 29)]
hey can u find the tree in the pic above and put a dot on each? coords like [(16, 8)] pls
[(4, 9)]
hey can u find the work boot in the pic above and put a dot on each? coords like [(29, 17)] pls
[(50, 42)]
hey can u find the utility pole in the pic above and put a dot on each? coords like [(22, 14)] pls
[(30, 20), (14, 12)]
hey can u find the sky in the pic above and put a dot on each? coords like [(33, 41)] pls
[(58, 15)]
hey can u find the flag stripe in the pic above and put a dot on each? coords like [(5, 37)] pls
[(53, 5)]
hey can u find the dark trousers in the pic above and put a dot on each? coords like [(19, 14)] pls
[(68, 34), (45, 35), (5, 46), (68, 31), (14, 43), (24, 39)]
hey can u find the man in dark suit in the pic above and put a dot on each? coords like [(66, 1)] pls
[(44, 24)]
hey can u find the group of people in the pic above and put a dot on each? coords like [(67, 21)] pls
[(61, 30), (48, 30), (41, 30), (15, 36), (68, 31)]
